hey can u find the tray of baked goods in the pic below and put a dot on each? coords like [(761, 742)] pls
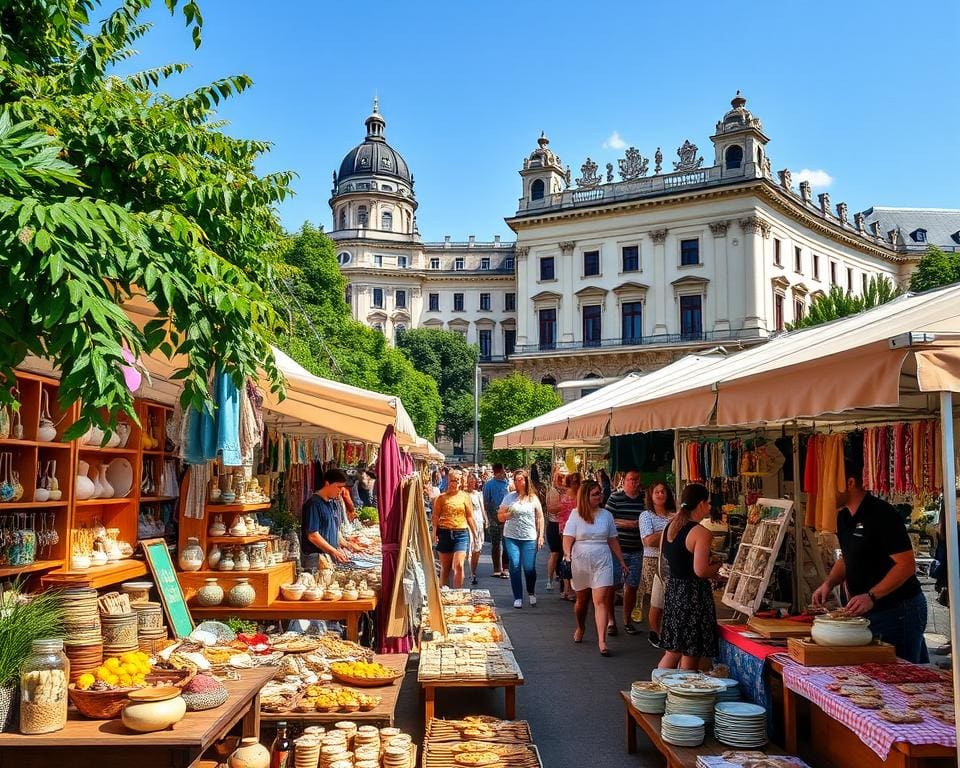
[(468, 754), (466, 661), (479, 728), (470, 614), (466, 596)]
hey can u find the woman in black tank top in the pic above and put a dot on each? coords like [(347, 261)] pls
[(689, 616)]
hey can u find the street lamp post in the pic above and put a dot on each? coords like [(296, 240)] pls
[(476, 414)]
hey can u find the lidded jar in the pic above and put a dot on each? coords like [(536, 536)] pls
[(43, 688)]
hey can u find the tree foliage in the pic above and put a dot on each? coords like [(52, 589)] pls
[(321, 335), (839, 303), (510, 401), (451, 361), (110, 188), (935, 269)]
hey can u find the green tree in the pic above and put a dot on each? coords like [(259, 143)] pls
[(839, 303), (109, 188), (458, 417), (935, 269), (510, 401), (446, 356), (321, 335)]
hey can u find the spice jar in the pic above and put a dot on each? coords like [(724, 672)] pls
[(43, 688)]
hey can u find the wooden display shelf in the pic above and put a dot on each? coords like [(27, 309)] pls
[(110, 451), (103, 502), (32, 505), (266, 583), (10, 442), (156, 499), (238, 540), (154, 452), (98, 576), (238, 508), (38, 565)]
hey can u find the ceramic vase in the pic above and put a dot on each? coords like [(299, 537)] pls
[(213, 559), (106, 490), (250, 754), (9, 696), (191, 556), (242, 594), (217, 528), (243, 561), (226, 562), (84, 487), (123, 431), (210, 594), (155, 715)]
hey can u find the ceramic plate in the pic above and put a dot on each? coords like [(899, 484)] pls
[(740, 708), (683, 721), (120, 475)]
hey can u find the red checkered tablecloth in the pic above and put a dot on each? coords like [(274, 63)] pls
[(873, 730)]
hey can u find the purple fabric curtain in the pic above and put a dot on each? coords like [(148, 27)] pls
[(390, 508)]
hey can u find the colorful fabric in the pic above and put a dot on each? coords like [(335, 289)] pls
[(870, 728)]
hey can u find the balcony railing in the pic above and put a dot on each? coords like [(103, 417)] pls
[(493, 358), (657, 340)]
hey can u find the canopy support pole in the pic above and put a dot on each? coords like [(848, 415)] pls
[(953, 547), (798, 517), (676, 466)]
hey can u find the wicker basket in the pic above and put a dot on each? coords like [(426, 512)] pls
[(106, 705), (366, 682)]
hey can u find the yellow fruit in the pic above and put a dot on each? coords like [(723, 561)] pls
[(112, 664), (85, 681)]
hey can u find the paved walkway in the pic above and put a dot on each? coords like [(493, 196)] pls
[(571, 694)]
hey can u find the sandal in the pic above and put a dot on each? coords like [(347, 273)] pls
[(580, 638), (604, 651), (504, 575), (612, 630), (630, 629)]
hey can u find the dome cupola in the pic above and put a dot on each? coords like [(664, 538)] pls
[(374, 157)]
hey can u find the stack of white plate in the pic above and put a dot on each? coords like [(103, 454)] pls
[(692, 695), (648, 696), (683, 730), (731, 692), (739, 724)]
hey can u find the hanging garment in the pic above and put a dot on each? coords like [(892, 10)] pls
[(227, 399)]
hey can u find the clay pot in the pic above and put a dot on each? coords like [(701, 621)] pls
[(191, 556), (848, 632), (250, 754), (158, 709), (242, 595), (84, 488), (210, 594)]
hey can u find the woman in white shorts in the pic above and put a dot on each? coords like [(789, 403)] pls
[(480, 521)]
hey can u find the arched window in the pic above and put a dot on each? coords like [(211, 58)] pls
[(343, 218), (398, 330), (536, 190), (362, 216), (549, 381), (734, 157), (386, 221), (378, 327)]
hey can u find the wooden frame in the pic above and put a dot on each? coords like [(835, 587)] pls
[(168, 586)]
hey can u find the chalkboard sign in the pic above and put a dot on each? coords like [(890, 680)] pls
[(165, 577)]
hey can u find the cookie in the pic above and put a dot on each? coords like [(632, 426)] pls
[(925, 700), (900, 716), (910, 688), (867, 702), (858, 690)]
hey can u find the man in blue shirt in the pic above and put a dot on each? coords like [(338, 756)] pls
[(494, 491), (320, 530)]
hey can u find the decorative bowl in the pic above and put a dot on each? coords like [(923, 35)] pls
[(120, 475), (851, 631), (292, 591), (106, 705)]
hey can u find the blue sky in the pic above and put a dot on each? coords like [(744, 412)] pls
[(866, 94)]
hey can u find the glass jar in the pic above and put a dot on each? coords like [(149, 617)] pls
[(43, 688)]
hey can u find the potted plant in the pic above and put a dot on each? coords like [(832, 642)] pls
[(23, 619)]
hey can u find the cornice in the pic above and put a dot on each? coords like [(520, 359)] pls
[(428, 276)]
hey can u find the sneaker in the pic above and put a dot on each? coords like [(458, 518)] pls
[(473, 581), (533, 601), (518, 603), (654, 639), (549, 585)]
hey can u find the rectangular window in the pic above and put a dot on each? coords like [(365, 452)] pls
[(797, 310), (402, 262), (631, 322), (865, 281), (689, 253), (850, 279), (776, 252), (631, 258), (592, 321), (833, 273), (484, 302), (458, 263), (508, 263), (548, 328), (546, 268), (509, 341), (485, 337), (433, 302), (816, 266), (400, 299), (378, 261), (798, 259), (378, 298), (434, 263), (591, 263), (458, 302), (509, 302), (691, 317), (485, 263), (778, 311)]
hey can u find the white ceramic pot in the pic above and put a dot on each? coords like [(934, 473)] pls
[(213, 559), (156, 714), (47, 433), (84, 487), (41, 495), (849, 632), (98, 558), (191, 556), (242, 595), (80, 562), (106, 489), (292, 591), (250, 754), (210, 594)]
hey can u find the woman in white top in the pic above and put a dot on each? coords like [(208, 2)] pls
[(480, 521), (589, 537), (522, 518)]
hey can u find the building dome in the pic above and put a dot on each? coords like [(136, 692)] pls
[(739, 117), (374, 156)]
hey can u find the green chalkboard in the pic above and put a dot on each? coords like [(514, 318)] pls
[(165, 577)]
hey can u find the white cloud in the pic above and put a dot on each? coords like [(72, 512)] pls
[(614, 141), (818, 179)]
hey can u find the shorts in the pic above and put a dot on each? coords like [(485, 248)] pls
[(650, 563), (634, 561), (495, 531), (656, 594), (453, 540), (554, 539)]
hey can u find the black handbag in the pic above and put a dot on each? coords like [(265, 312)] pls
[(564, 571)]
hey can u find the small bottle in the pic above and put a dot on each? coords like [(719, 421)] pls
[(280, 749)]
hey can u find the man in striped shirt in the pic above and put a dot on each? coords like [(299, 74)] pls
[(626, 505)]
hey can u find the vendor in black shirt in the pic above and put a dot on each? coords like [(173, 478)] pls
[(878, 568)]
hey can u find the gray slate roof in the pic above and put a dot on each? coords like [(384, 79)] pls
[(942, 225)]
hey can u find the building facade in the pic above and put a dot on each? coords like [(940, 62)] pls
[(621, 269)]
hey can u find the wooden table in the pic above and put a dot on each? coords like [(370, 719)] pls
[(428, 691), (382, 715), (837, 745), (107, 743), (676, 757), (321, 610)]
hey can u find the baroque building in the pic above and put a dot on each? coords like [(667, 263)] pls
[(623, 268)]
